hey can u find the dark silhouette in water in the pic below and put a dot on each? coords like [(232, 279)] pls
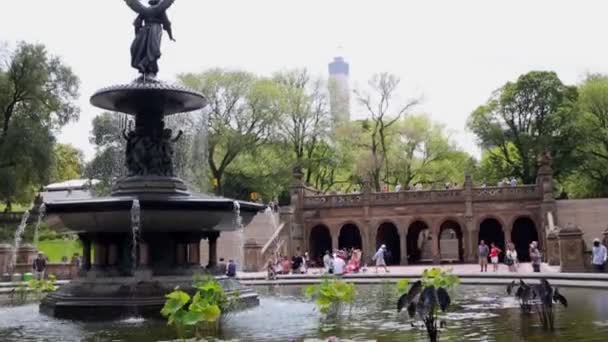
[(542, 296), (425, 301)]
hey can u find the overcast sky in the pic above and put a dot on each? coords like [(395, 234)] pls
[(454, 53)]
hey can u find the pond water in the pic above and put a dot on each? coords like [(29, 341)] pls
[(482, 313)]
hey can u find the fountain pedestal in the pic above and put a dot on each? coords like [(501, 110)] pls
[(131, 263)]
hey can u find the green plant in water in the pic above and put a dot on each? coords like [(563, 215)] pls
[(35, 288), (427, 296), (330, 295), (200, 312)]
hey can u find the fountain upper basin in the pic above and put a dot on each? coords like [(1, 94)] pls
[(158, 213)]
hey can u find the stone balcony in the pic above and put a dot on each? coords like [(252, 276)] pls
[(518, 193)]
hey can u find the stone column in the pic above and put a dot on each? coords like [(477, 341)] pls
[(472, 238), (571, 249), (403, 244), (335, 233), (194, 255), (86, 254), (144, 257), (101, 254), (181, 253), (552, 249), (112, 254), (435, 246), (6, 251), (253, 256), (213, 249), (470, 245)]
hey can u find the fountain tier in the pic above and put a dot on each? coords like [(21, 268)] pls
[(127, 271)]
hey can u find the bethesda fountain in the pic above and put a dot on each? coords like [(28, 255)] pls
[(143, 240)]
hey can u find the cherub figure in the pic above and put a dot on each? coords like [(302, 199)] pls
[(149, 26)]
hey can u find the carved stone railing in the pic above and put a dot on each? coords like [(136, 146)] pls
[(351, 200), (522, 192)]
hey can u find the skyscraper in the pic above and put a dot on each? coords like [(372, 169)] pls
[(339, 90)]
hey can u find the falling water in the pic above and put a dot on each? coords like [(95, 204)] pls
[(18, 237), (41, 213), (238, 222), (135, 230)]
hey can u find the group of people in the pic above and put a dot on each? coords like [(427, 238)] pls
[(342, 261), (510, 258), (298, 264), (507, 182)]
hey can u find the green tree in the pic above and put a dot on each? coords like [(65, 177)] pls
[(590, 179), (68, 163), (423, 153), (306, 121), (243, 112), (108, 164), (534, 114), (36, 99), (378, 103)]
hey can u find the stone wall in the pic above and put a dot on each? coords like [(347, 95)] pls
[(590, 215)]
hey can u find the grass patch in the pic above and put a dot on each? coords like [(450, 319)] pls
[(56, 249)]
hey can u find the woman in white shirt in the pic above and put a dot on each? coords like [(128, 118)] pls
[(511, 257)]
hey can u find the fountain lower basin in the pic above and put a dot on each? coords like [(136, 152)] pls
[(104, 298)]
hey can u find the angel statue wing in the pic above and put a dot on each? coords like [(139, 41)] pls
[(139, 8)]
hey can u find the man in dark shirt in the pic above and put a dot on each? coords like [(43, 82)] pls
[(39, 266), (231, 269), (296, 262)]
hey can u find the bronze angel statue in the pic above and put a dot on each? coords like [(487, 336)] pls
[(149, 25)]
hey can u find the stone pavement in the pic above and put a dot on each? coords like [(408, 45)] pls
[(469, 274)]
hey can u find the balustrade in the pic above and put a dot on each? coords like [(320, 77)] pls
[(523, 192)]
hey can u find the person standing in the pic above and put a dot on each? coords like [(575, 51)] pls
[(398, 187), (494, 253), (379, 258), (338, 265), (327, 262), (511, 258), (535, 257), (599, 254), (483, 252), (39, 266), (304, 266)]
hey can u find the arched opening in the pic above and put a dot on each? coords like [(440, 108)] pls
[(419, 243), (349, 237), (490, 230), (319, 242), (450, 242), (388, 235), (523, 233)]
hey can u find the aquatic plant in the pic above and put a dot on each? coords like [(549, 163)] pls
[(200, 312), (542, 296), (330, 295), (33, 289), (427, 296)]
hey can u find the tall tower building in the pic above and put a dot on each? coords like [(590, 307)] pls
[(339, 90)]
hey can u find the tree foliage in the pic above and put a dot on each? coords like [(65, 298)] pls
[(37, 93), (68, 163), (242, 112), (590, 178), (534, 114)]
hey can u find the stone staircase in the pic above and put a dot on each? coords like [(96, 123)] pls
[(265, 231)]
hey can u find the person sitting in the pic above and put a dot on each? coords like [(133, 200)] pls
[(221, 266), (231, 269), (285, 266), (338, 265)]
